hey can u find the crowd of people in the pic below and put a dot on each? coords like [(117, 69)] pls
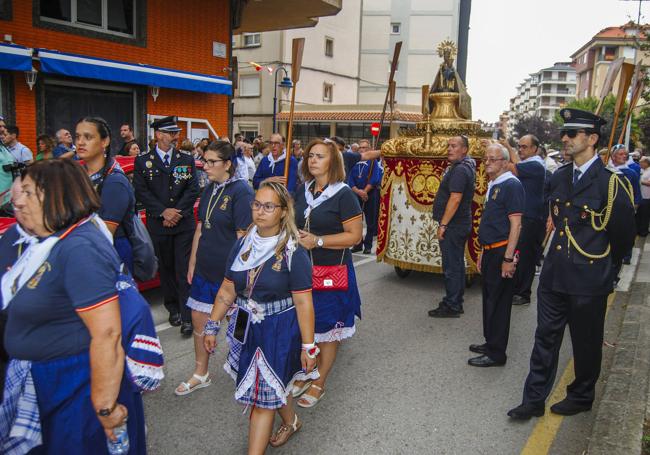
[(269, 254)]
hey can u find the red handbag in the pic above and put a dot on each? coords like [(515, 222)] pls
[(328, 277)]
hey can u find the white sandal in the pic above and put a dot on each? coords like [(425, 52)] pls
[(311, 400), (204, 381), (297, 391)]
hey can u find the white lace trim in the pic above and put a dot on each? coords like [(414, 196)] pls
[(147, 343), (259, 361), (147, 377), (336, 334), (232, 373), (199, 306)]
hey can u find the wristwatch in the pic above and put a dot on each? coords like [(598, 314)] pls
[(105, 412), (320, 242)]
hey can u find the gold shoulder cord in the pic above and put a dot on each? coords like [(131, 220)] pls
[(604, 215)]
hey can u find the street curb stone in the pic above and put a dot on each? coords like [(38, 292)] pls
[(618, 426)]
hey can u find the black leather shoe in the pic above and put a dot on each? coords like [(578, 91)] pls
[(444, 312), (526, 411), (186, 329), (478, 348), (366, 251), (567, 407), (356, 249), (175, 319), (520, 300), (484, 361)]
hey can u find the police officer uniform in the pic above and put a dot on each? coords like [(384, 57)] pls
[(593, 215), (161, 183)]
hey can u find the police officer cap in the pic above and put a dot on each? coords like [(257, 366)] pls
[(166, 124), (575, 119)]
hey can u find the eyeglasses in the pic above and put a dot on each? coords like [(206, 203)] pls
[(275, 143), (269, 207), (493, 160), (522, 146), (571, 133), (211, 163)]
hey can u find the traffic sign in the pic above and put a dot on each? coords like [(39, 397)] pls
[(374, 129)]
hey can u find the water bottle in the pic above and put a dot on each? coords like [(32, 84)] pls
[(121, 444)]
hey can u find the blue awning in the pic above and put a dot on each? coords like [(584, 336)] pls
[(131, 73), (15, 58)]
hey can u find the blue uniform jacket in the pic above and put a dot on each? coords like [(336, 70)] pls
[(264, 171), (565, 269)]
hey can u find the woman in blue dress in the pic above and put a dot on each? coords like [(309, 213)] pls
[(66, 377), (93, 140), (268, 276), (329, 218), (224, 216)]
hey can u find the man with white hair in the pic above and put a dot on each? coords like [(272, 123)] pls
[(65, 147), (498, 234)]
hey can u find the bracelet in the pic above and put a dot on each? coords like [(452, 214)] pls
[(442, 226), (508, 260), (311, 350), (211, 328)]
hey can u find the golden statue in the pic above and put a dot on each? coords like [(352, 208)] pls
[(448, 81)]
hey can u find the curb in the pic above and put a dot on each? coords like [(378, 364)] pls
[(618, 426)]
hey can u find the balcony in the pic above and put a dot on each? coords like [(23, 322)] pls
[(268, 15), (557, 81)]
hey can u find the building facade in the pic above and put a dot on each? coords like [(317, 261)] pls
[(593, 59), (346, 65), (543, 93)]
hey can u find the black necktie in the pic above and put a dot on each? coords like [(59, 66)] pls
[(576, 175), (166, 160)]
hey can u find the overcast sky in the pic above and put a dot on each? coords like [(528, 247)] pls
[(508, 39)]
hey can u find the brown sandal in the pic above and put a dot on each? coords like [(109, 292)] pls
[(285, 431)]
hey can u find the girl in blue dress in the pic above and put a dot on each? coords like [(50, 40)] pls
[(269, 277), (93, 140), (66, 376), (329, 218), (224, 216)]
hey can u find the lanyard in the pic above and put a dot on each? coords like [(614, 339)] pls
[(211, 207)]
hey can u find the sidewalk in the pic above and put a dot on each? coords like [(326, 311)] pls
[(618, 426)]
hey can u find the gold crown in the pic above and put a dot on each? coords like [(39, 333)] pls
[(447, 45)]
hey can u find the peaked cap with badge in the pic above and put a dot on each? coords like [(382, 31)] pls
[(167, 124), (576, 119)]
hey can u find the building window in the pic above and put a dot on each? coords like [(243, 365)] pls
[(249, 85), (395, 28), (5, 10), (329, 47), (114, 17), (609, 53), (252, 39), (328, 92)]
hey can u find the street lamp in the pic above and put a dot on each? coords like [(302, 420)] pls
[(285, 85)]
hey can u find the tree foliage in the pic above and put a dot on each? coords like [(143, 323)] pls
[(547, 132)]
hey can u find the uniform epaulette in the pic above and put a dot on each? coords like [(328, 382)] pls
[(613, 169), (185, 152)]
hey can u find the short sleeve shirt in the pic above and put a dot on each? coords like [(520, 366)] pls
[(532, 175), (230, 212), (505, 199), (118, 201), (275, 281), (327, 219), (459, 179), (43, 317)]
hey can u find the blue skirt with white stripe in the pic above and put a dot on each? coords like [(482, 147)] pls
[(69, 423), (202, 294)]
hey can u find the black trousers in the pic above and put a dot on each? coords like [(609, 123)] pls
[(497, 304), (643, 217), (173, 252), (585, 316), (529, 246), (371, 214)]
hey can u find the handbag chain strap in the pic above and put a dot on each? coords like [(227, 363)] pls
[(307, 228)]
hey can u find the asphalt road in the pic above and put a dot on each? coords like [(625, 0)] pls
[(401, 385)]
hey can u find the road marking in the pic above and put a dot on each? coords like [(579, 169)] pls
[(165, 325), (545, 431)]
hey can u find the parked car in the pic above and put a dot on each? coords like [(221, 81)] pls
[(127, 165)]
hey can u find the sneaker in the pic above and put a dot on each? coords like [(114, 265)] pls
[(444, 312)]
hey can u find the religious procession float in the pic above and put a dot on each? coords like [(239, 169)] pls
[(414, 164)]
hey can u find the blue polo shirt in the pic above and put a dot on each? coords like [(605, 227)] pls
[(359, 178), (230, 212), (264, 171), (505, 199), (275, 281), (532, 175), (79, 275)]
